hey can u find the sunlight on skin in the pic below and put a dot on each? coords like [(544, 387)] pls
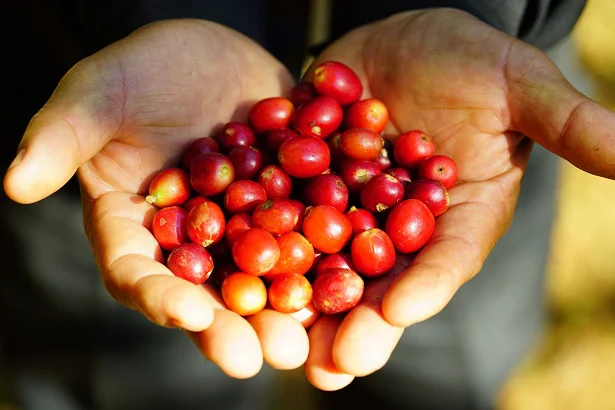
[(121, 115)]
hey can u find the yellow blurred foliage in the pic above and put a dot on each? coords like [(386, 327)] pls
[(573, 368)]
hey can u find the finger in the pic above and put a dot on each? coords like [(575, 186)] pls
[(283, 339), (479, 215), (365, 340), (548, 109), (231, 343), (131, 264), (76, 122), (320, 369)]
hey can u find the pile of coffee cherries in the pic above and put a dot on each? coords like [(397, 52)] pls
[(297, 207)]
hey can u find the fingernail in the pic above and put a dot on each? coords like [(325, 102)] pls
[(18, 158), (194, 314)]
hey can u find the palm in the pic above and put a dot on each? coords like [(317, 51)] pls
[(453, 87), (450, 84), (167, 85)]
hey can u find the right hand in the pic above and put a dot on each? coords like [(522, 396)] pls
[(120, 116)]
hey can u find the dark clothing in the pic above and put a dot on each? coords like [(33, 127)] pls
[(70, 346)]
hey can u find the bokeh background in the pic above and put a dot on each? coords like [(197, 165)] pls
[(573, 366)]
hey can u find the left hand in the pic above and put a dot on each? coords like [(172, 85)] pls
[(478, 92)]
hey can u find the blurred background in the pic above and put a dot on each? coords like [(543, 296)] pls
[(572, 366)]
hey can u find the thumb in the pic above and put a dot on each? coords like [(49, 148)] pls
[(548, 109), (80, 117)]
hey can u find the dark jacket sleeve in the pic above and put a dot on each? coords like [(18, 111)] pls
[(539, 22)]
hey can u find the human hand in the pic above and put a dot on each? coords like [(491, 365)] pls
[(478, 93), (120, 116)]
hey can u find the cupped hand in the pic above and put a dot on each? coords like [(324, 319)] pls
[(480, 94), (120, 116)]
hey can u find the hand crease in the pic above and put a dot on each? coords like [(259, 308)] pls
[(562, 138)]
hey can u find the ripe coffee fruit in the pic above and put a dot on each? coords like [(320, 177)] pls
[(194, 201), (296, 255), (384, 160), (335, 261), (304, 157), (302, 93), (278, 217), (338, 81), (270, 114), (265, 202), (410, 225), (400, 174), (411, 148), (244, 196), (439, 168), (290, 293), (431, 193), (361, 143), (169, 227), (300, 209), (236, 134), (192, 262), (356, 173), (247, 161), (169, 187), (319, 117), (205, 224), (372, 253), (275, 138), (361, 220), (198, 147), (327, 189), (326, 228), (244, 294), (236, 226), (381, 193), (211, 173), (276, 181), (370, 113), (337, 290), (256, 252), (333, 141)]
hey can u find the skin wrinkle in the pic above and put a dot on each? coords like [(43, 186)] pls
[(78, 150), (506, 124), (123, 95), (444, 271), (423, 107), (106, 158), (416, 17), (563, 140)]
